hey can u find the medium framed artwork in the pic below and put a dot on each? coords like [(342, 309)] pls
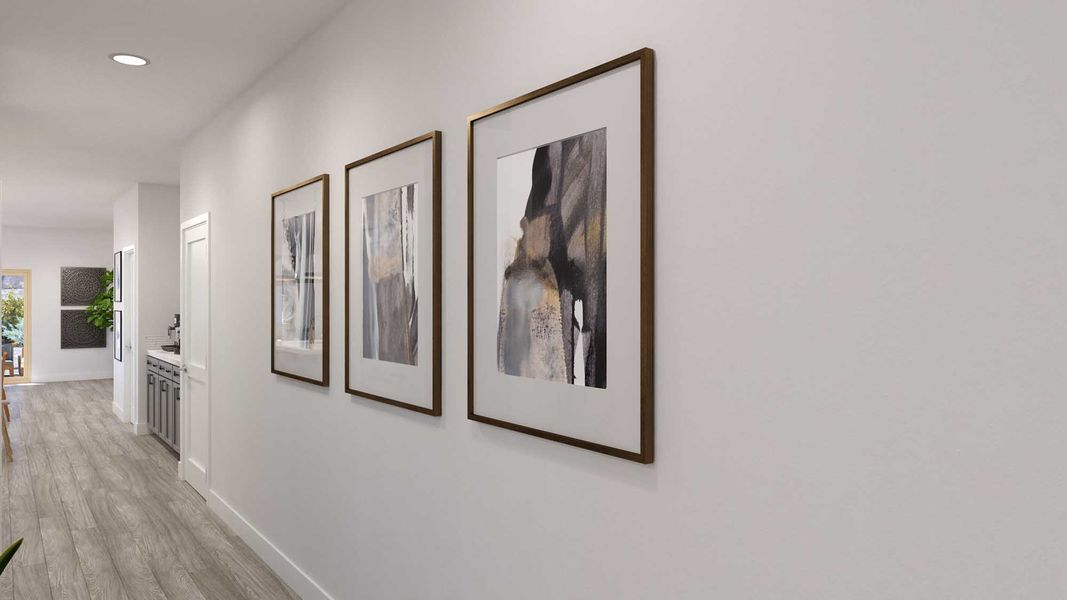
[(300, 281), (116, 278), (560, 265), (393, 275), (117, 330)]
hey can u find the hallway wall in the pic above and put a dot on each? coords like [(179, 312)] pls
[(146, 217), (860, 311), (45, 251)]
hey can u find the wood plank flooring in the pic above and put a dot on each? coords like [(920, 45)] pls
[(103, 514)]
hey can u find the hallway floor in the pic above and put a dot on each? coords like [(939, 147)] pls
[(103, 514)]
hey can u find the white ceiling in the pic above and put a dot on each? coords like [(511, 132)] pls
[(77, 130)]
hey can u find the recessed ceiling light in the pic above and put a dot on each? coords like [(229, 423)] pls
[(131, 60)]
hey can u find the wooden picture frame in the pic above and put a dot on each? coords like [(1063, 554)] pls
[(116, 278), (645, 131), (432, 408), (323, 209)]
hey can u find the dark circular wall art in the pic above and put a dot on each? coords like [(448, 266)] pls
[(79, 286), (76, 332)]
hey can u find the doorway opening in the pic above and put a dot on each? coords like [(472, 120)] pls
[(15, 323)]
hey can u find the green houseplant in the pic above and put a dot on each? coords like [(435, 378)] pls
[(12, 309), (13, 332), (101, 310), (12, 313), (9, 554)]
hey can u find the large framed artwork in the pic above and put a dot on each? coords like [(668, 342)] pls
[(393, 275), (117, 330), (300, 281), (560, 197), (116, 279)]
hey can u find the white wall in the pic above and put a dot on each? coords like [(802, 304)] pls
[(45, 251), (124, 228), (146, 217), (860, 323), (158, 259)]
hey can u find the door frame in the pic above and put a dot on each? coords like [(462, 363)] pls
[(131, 363), (27, 326), (185, 420)]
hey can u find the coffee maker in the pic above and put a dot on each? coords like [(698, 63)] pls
[(175, 333)]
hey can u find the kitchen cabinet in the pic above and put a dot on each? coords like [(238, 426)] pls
[(163, 389)]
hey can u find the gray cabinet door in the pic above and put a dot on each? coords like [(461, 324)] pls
[(150, 394), (177, 417), (155, 400), (164, 402), (170, 413), (164, 391)]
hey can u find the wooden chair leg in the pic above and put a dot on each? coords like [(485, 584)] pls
[(7, 408), (8, 455)]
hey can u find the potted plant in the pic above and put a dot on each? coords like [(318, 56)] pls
[(9, 554), (12, 313), (100, 311)]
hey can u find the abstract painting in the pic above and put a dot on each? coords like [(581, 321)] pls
[(75, 332), (390, 302), (552, 261), (117, 330), (300, 267), (393, 275), (79, 286), (116, 278), (298, 280), (551, 174)]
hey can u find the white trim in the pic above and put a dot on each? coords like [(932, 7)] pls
[(140, 428), (81, 376), (115, 408), (194, 474), (289, 571), (134, 368), (193, 222)]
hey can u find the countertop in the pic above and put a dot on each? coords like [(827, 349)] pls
[(167, 357)]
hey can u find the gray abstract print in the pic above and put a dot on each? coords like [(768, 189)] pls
[(551, 210), (390, 303), (298, 280)]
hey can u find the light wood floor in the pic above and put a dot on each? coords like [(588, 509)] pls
[(104, 515)]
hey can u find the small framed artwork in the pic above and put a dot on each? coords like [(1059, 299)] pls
[(300, 281), (560, 238), (117, 329), (116, 278), (393, 275)]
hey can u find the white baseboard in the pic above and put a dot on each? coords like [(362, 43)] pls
[(290, 573), (121, 414), (83, 376), (140, 428)]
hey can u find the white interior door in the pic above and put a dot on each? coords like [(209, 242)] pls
[(195, 400)]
